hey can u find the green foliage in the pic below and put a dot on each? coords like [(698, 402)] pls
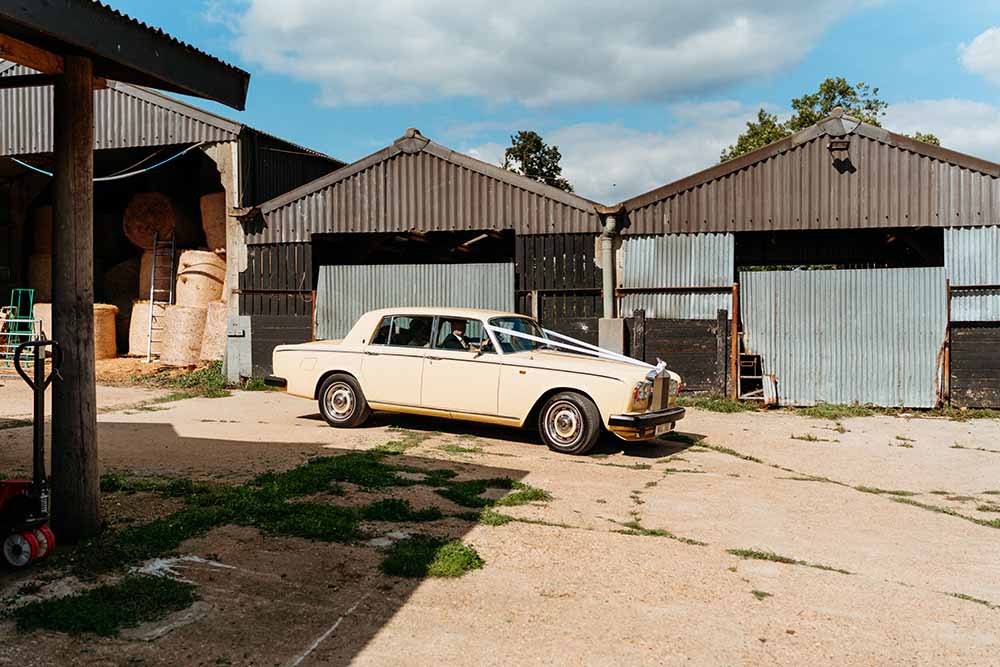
[(493, 518), (760, 595), (755, 554), (107, 609), (400, 510), (835, 412), (470, 493), (426, 556), (715, 404), (858, 100), (529, 155), (206, 382)]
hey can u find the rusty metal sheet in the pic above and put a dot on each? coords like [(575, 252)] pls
[(869, 336)]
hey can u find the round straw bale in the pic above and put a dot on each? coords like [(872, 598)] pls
[(200, 276), (149, 213), (213, 220), (138, 332), (43, 313), (183, 329), (105, 343), (42, 224), (164, 276), (40, 276), (213, 342)]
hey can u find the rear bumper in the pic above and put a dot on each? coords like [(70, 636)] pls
[(643, 426), (275, 381)]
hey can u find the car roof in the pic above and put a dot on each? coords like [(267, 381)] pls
[(470, 313)]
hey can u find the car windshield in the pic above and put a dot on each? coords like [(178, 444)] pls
[(510, 343)]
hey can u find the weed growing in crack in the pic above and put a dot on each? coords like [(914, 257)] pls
[(756, 554)]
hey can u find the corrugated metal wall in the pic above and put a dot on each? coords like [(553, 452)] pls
[(345, 292), (881, 186), (697, 260), (124, 117), (420, 191), (867, 336), (272, 166), (972, 257)]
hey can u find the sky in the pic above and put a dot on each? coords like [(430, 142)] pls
[(635, 94)]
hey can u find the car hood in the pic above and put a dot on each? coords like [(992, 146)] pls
[(579, 363)]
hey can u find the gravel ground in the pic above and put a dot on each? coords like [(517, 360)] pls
[(571, 587)]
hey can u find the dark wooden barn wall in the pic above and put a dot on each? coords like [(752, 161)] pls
[(975, 365), (697, 350), (276, 292), (559, 271)]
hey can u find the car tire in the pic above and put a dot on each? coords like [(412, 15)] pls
[(569, 423), (342, 403)]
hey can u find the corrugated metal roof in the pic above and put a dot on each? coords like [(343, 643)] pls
[(416, 184), (883, 180), (678, 260), (854, 336), (971, 258)]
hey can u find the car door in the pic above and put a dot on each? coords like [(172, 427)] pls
[(392, 365), (457, 378)]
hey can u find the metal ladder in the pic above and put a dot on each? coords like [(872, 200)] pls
[(164, 256)]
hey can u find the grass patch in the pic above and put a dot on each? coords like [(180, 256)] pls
[(755, 554), (992, 492), (888, 492), (205, 382), (994, 523), (426, 556), (731, 452), (470, 493), (406, 440), (760, 595), (105, 610), (969, 598), (490, 517), (961, 499), (809, 437), (685, 438), (256, 384), (903, 438), (988, 507), (452, 448), (975, 449), (835, 412), (716, 404), (635, 527), (675, 471), (399, 510)]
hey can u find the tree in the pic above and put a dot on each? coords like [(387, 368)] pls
[(927, 138), (528, 155), (859, 100)]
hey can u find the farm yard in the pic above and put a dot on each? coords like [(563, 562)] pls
[(243, 530)]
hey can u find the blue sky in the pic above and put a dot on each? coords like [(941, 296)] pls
[(635, 94)]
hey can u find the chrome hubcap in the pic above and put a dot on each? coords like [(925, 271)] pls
[(340, 401), (563, 422)]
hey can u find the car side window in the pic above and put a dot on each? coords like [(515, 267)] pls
[(461, 334), (410, 331), (381, 336)]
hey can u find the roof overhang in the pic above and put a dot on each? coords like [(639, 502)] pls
[(120, 47)]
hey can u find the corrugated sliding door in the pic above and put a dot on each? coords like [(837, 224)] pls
[(870, 336), (345, 292)]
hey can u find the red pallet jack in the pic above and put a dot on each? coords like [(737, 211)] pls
[(24, 504)]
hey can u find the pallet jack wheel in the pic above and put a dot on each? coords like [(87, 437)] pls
[(43, 543), (19, 549), (50, 538)]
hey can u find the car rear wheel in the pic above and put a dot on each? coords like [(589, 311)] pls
[(569, 423), (342, 403)]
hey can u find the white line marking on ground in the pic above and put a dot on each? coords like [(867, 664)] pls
[(323, 637)]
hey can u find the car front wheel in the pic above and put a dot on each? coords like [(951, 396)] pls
[(342, 403), (569, 423)]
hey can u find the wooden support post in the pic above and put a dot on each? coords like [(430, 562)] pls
[(721, 350), (638, 348), (75, 486), (734, 343)]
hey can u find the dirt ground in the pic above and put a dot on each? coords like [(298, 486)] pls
[(567, 586)]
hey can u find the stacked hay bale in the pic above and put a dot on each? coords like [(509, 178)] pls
[(183, 330), (153, 214), (139, 341), (213, 220), (105, 343), (120, 284)]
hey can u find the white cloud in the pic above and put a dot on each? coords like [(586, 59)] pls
[(610, 162), (962, 125), (535, 53), (982, 55)]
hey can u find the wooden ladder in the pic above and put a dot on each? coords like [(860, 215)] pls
[(161, 285)]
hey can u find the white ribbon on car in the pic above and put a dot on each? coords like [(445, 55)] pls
[(578, 346)]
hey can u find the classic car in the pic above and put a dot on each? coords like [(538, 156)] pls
[(482, 366)]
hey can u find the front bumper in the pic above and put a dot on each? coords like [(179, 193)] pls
[(275, 381), (643, 426)]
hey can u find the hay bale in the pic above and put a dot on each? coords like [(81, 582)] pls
[(150, 212), (43, 313), (183, 329), (40, 276), (138, 332), (213, 220), (164, 276), (42, 224), (105, 342), (121, 288), (200, 276), (213, 341)]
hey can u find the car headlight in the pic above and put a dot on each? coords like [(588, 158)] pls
[(642, 394)]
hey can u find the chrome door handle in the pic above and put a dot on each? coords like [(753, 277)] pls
[(435, 358), (374, 354)]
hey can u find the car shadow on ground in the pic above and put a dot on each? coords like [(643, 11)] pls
[(334, 590)]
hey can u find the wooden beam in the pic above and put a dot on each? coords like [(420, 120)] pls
[(75, 486), (31, 56)]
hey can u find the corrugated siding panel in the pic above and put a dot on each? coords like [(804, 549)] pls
[(345, 292), (882, 186), (972, 257), (678, 260), (121, 120), (420, 191), (871, 336)]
